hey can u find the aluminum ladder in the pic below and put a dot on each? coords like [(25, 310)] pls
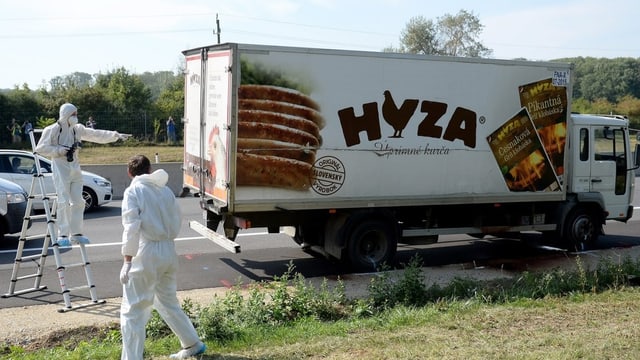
[(37, 192)]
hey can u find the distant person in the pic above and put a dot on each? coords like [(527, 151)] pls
[(171, 130), (62, 141), (151, 218), (90, 123), (14, 131), (26, 128)]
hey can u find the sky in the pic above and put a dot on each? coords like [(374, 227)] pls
[(43, 39)]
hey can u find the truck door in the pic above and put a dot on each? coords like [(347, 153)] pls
[(609, 163)]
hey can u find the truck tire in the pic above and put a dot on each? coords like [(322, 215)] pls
[(371, 244), (581, 230)]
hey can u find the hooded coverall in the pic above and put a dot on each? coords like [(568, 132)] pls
[(151, 218), (56, 140)]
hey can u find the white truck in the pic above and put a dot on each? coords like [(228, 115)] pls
[(359, 151)]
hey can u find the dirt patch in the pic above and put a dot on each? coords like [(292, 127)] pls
[(70, 338)]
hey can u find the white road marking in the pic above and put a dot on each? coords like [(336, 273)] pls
[(120, 243)]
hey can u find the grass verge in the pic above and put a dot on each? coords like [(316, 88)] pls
[(92, 154), (560, 314)]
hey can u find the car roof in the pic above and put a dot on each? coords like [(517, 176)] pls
[(15, 151)]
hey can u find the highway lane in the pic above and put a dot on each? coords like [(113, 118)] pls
[(204, 264)]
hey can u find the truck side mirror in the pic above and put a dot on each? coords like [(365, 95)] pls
[(636, 157)]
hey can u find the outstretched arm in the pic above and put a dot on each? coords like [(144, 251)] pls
[(100, 136)]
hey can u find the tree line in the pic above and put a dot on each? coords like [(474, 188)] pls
[(137, 104), (600, 85)]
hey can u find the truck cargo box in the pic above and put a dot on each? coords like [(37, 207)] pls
[(277, 128)]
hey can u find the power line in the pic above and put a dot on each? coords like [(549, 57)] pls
[(37, 36), (122, 17), (115, 17)]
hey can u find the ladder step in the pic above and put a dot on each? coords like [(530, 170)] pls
[(30, 257), (37, 217), (40, 196), (34, 237), (81, 287), (30, 276), (80, 306), (25, 291), (74, 265)]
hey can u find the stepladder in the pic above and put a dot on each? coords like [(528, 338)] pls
[(46, 233)]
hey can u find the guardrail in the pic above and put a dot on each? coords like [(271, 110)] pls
[(117, 174)]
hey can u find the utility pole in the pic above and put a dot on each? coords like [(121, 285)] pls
[(217, 30)]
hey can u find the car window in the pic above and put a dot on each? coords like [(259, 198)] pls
[(5, 164), (45, 166), (22, 164)]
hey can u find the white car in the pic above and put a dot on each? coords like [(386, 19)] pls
[(13, 205), (19, 166)]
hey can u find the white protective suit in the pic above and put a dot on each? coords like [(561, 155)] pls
[(151, 218), (67, 177)]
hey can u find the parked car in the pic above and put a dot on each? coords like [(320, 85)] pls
[(13, 204), (19, 166)]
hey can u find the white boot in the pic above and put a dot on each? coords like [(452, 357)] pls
[(63, 241), (79, 239), (196, 349)]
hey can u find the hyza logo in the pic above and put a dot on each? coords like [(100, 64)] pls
[(328, 175), (435, 123)]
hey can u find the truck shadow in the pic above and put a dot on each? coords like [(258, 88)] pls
[(525, 253)]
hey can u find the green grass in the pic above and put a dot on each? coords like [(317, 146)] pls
[(591, 326), (560, 314), (92, 154)]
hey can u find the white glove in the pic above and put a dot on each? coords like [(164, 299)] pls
[(124, 273), (62, 151), (123, 136)]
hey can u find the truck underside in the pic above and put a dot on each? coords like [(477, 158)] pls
[(365, 238)]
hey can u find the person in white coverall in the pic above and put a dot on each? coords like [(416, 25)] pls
[(151, 218), (60, 141)]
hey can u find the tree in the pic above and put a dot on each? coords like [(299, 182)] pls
[(602, 106), (453, 35), (22, 104), (458, 34), (170, 103), (157, 81), (125, 92), (629, 106), (171, 99), (73, 80), (419, 37), (611, 79)]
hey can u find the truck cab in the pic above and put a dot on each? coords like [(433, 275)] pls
[(603, 163)]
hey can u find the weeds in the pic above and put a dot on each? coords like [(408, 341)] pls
[(245, 314), (291, 298)]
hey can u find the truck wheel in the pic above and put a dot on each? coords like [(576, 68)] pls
[(371, 244), (581, 231)]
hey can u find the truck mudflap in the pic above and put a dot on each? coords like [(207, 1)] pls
[(218, 239)]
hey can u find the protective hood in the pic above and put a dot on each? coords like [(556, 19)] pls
[(65, 112), (157, 178)]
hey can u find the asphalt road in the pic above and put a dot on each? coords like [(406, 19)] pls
[(205, 265)]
